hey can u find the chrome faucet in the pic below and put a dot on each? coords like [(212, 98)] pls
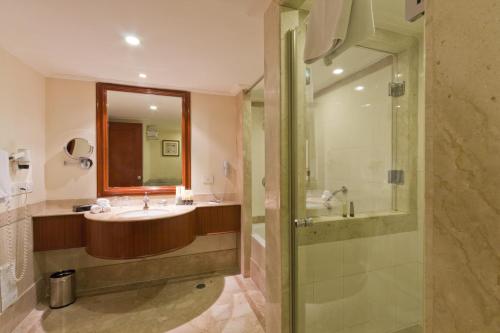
[(327, 196), (146, 201)]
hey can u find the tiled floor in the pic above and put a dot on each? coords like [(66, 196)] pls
[(227, 304)]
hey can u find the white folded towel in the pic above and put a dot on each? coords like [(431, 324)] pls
[(327, 28), (106, 209), (103, 202), (95, 209), (5, 182)]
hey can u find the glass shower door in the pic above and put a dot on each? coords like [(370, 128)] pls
[(357, 262)]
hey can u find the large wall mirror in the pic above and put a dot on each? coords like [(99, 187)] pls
[(143, 140)]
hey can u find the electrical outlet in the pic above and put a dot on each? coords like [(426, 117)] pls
[(208, 180)]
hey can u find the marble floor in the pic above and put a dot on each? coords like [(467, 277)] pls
[(229, 304)]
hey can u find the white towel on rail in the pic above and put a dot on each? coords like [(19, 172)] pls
[(327, 28), (5, 182), (361, 28)]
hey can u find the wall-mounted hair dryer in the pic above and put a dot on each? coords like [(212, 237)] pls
[(22, 158)]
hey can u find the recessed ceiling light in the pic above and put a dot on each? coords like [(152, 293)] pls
[(132, 40), (142, 75), (338, 71), (359, 88), (153, 107), (366, 105)]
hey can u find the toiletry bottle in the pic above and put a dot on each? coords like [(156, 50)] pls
[(344, 208), (351, 209)]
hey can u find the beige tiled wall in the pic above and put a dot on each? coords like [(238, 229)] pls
[(373, 282), (462, 166), (206, 254), (359, 161)]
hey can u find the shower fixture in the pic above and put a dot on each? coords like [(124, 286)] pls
[(328, 195)]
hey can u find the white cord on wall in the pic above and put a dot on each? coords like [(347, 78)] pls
[(11, 247)]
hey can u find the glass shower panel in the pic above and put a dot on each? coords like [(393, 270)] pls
[(349, 134), (354, 139)]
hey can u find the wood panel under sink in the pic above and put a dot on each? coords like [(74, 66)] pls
[(218, 219), (58, 232), (134, 239)]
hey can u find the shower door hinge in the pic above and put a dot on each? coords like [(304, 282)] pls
[(306, 222), (396, 177), (397, 89)]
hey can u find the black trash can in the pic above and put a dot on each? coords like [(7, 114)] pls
[(62, 288)]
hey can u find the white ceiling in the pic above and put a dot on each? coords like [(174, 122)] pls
[(135, 107), (199, 45)]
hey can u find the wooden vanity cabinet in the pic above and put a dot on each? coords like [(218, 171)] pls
[(132, 239)]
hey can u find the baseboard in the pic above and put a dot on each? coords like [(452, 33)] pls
[(25, 303)]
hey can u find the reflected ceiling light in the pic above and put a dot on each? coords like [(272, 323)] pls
[(338, 71), (153, 107), (366, 105), (132, 40), (359, 88), (142, 75)]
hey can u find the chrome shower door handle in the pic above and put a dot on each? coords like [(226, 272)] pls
[(304, 222)]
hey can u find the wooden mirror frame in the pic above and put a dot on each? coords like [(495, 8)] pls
[(103, 188)]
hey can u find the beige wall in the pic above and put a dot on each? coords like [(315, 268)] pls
[(277, 207), (22, 117), (462, 166), (71, 113), (22, 121), (214, 131)]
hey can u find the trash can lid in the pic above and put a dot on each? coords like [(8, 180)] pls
[(61, 274)]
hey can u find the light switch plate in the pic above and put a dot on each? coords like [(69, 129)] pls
[(208, 180)]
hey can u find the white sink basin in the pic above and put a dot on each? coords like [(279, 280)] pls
[(144, 213)]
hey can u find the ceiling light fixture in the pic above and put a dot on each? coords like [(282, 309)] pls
[(132, 40), (338, 71), (142, 75), (359, 88), (153, 107)]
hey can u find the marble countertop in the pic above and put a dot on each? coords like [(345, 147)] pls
[(154, 212), (65, 207)]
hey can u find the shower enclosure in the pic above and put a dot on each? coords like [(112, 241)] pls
[(354, 138)]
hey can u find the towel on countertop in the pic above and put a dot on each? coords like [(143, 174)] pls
[(327, 28), (5, 181), (103, 202), (95, 209)]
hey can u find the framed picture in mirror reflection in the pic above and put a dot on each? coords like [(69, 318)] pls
[(170, 148)]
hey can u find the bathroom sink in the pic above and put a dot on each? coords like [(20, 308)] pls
[(144, 213)]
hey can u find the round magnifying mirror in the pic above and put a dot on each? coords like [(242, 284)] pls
[(78, 148)]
